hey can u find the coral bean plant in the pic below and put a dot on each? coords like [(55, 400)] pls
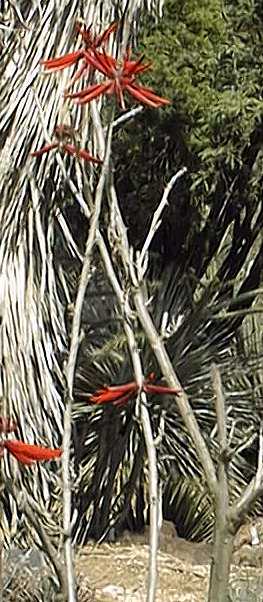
[(120, 78)]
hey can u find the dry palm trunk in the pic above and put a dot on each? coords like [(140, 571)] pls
[(32, 332)]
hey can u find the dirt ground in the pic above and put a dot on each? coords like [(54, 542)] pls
[(119, 571)]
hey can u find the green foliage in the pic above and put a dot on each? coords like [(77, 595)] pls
[(187, 503), (207, 58)]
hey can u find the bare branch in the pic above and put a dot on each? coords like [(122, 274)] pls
[(259, 473), (120, 238), (182, 401), (1, 549), (126, 116), (253, 491), (220, 407), (156, 222)]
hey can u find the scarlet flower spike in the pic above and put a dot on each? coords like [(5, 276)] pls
[(103, 62), (67, 148), (91, 43), (121, 401), (85, 32), (135, 67), (103, 37), (121, 394), (125, 387), (104, 397), (27, 454), (114, 400), (120, 78), (84, 68)]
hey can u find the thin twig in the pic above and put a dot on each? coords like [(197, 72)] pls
[(1, 554), (153, 499), (127, 116), (220, 408), (156, 222), (259, 473)]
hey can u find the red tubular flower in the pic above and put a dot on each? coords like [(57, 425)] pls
[(105, 63), (120, 394), (61, 62), (158, 389), (146, 95), (92, 92), (117, 395), (7, 425), (120, 78), (27, 454)]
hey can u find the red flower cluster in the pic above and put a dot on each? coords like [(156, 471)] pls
[(121, 75), (119, 395), (120, 78), (62, 133), (24, 452)]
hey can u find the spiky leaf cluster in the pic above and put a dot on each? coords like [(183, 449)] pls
[(109, 444)]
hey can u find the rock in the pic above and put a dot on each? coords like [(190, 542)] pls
[(249, 555), (112, 592), (186, 551)]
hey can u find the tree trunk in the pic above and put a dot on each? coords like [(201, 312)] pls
[(221, 561)]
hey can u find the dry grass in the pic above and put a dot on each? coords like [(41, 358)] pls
[(118, 571)]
